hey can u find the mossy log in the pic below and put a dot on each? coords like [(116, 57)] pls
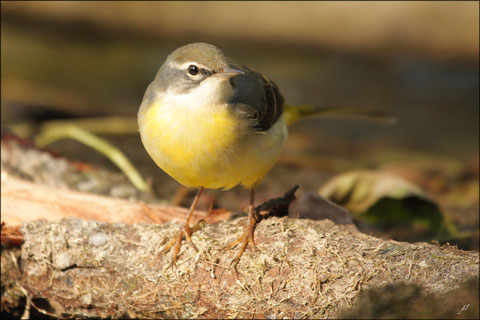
[(302, 268)]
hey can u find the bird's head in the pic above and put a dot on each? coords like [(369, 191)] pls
[(197, 66)]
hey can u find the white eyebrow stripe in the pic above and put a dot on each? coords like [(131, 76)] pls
[(187, 64)]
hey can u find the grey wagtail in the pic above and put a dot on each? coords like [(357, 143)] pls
[(212, 123)]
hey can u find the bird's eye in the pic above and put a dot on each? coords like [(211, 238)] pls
[(193, 70)]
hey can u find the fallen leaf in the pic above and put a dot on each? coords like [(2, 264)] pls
[(388, 202)]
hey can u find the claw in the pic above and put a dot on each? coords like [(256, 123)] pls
[(186, 231), (247, 236)]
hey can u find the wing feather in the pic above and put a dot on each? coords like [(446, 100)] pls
[(257, 98)]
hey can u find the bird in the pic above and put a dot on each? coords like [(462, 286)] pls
[(212, 123)]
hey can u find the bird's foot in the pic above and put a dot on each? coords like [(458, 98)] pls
[(245, 239), (186, 231)]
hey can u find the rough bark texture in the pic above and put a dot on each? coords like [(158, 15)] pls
[(303, 268)]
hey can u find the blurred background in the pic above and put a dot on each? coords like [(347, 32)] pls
[(418, 60)]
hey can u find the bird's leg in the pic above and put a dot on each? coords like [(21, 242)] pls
[(184, 230), (195, 227), (247, 236)]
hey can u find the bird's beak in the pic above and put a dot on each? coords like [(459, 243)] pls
[(229, 72)]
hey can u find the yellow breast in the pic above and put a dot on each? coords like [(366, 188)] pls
[(208, 146)]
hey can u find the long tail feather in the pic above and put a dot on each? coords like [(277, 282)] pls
[(294, 113)]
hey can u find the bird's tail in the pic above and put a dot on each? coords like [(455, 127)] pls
[(293, 113)]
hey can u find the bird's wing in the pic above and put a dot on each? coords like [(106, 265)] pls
[(256, 98)]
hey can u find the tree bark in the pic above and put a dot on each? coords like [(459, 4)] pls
[(112, 265), (302, 268), (25, 201)]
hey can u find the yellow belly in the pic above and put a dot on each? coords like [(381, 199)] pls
[(209, 147)]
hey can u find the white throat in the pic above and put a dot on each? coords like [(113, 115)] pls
[(212, 92)]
